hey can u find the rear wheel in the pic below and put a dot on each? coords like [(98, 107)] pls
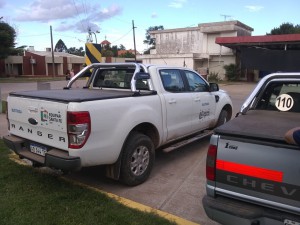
[(137, 159)]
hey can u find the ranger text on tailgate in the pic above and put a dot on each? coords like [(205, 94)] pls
[(119, 118)]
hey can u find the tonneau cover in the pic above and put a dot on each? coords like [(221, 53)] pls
[(73, 95), (261, 124)]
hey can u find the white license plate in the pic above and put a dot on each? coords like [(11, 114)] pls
[(37, 149), (290, 222)]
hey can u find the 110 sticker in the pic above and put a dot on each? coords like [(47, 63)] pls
[(284, 102)]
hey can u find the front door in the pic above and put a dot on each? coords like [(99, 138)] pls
[(204, 102), (178, 103)]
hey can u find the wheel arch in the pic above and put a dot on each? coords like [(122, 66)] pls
[(148, 129), (228, 108)]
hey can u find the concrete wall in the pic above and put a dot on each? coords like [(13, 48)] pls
[(195, 47), (181, 41)]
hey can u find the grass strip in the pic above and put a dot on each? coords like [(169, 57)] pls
[(28, 196)]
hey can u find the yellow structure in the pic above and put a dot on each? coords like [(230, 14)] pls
[(92, 53)]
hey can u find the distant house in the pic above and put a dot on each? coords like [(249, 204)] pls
[(122, 52), (40, 63), (195, 47)]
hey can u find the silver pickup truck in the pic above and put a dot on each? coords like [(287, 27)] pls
[(253, 175)]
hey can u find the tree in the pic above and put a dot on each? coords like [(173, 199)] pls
[(286, 28), (122, 47), (127, 54), (60, 46), (7, 39), (114, 49), (19, 50), (151, 41), (107, 53), (76, 51)]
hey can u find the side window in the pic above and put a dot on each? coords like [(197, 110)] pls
[(172, 80), (196, 83)]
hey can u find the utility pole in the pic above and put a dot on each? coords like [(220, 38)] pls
[(133, 27), (53, 67)]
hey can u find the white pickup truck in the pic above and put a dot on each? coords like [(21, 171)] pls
[(119, 118)]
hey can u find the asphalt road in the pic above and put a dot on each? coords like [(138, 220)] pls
[(177, 182)]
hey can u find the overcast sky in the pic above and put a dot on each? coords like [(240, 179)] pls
[(71, 19)]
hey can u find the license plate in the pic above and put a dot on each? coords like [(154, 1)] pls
[(290, 222), (37, 149)]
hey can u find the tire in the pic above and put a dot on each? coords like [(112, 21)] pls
[(222, 118), (137, 159)]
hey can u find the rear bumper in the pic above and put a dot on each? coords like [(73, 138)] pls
[(54, 158), (230, 211)]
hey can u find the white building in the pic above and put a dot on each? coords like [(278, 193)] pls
[(195, 47)]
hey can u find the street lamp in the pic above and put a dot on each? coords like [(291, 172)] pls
[(90, 35), (96, 35)]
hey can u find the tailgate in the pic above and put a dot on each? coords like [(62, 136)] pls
[(256, 171), (38, 120)]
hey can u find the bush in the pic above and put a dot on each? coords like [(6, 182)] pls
[(213, 77), (232, 72)]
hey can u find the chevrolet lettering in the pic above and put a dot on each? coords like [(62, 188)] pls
[(253, 174)]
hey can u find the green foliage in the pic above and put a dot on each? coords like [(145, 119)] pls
[(122, 47), (19, 50), (286, 28), (231, 72), (127, 54), (7, 39), (147, 51), (151, 41), (60, 46), (30, 196), (76, 51), (114, 49), (107, 53), (213, 77)]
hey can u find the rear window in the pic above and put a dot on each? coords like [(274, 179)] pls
[(117, 78), (280, 96)]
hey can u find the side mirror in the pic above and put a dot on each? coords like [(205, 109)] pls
[(213, 87), (142, 76)]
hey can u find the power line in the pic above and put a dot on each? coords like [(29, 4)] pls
[(78, 14), (122, 36)]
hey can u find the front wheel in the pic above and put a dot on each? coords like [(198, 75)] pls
[(137, 159)]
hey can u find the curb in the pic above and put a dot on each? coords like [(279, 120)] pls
[(124, 201), (136, 205)]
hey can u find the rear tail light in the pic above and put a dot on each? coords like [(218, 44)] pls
[(211, 163), (79, 128)]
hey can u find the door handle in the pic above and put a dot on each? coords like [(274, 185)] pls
[(172, 101), (198, 99)]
